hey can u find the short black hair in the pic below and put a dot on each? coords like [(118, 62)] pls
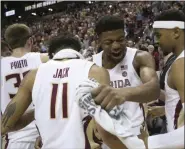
[(62, 41), (170, 15), (109, 23)]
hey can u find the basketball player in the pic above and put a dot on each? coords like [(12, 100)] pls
[(52, 87), (5, 50), (169, 30), (132, 73), (14, 68), (156, 109)]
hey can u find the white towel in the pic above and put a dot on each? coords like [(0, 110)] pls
[(67, 53), (114, 122)]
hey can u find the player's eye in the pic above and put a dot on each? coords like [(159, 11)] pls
[(108, 42), (120, 40)]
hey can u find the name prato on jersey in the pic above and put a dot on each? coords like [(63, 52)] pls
[(19, 64)]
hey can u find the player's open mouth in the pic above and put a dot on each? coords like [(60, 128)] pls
[(116, 54)]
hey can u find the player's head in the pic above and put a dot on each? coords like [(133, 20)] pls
[(63, 41), (169, 29), (111, 37), (5, 49), (19, 36)]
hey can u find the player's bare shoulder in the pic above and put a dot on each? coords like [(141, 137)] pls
[(100, 74)]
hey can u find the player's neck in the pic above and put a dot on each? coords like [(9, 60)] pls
[(107, 63), (19, 52), (179, 48)]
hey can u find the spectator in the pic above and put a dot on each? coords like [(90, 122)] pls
[(130, 44), (5, 49), (151, 49), (86, 41), (79, 19)]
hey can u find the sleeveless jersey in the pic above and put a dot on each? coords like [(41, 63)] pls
[(58, 116), (173, 103), (12, 72), (124, 75)]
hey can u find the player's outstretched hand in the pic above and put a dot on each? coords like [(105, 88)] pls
[(108, 97), (38, 143)]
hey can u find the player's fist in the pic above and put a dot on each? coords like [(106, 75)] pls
[(107, 96)]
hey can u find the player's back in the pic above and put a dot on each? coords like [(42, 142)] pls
[(12, 72), (57, 114)]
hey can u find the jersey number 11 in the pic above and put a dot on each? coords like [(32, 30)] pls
[(64, 101)]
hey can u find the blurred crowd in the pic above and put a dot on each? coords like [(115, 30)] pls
[(80, 18)]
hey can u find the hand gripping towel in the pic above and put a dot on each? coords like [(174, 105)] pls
[(114, 122)]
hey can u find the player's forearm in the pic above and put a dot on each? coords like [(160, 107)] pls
[(144, 93), (11, 115), (114, 143), (110, 140), (6, 124), (25, 120)]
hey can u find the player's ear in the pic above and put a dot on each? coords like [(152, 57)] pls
[(176, 33), (98, 47), (29, 43)]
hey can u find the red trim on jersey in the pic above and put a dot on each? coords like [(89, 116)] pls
[(87, 119), (96, 140), (177, 112), (142, 107), (7, 141), (64, 101), (53, 100)]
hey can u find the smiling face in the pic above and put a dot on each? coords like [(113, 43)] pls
[(113, 44)]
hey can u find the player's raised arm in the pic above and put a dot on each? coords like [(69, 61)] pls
[(19, 104), (102, 76)]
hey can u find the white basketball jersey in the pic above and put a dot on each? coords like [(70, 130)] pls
[(173, 103), (57, 114), (12, 72), (124, 75)]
